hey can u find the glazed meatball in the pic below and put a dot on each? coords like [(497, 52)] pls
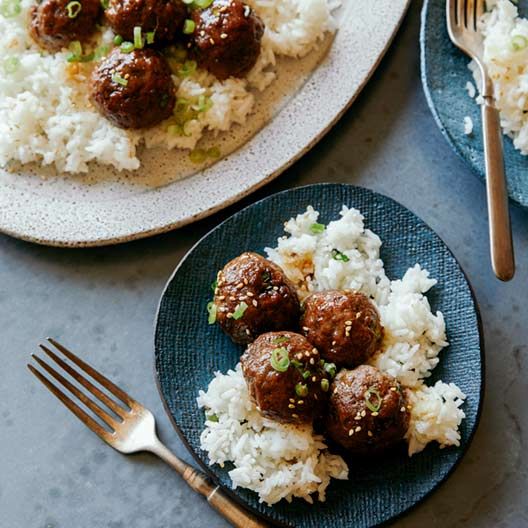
[(368, 410), (286, 377), (134, 90), (253, 296), (56, 23), (226, 38), (344, 325), (164, 17)]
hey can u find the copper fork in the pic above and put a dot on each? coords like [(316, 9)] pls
[(127, 426), (462, 26)]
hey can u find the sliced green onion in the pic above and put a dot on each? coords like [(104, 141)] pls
[(105, 3), (127, 47), (189, 26), (175, 130), (280, 340), (213, 152), (214, 285), (240, 310), (101, 51), (317, 228), (76, 50), (202, 4), (11, 65), (306, 374), (280, 360), (150, 36), (119, 80), (518, 42), (10, 8), (266, 277), (338, 255), (118, 40), (296, 363), (211, 310), (374, 404), (138, 39), (198, 155), (330, 368), (211, 418), (188, 2), (301, 389), (187, 68), (87, 58), (204, 104), (325, 385), (73, 8)]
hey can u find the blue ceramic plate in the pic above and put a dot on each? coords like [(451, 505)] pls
[(188, 350), (444, 77)]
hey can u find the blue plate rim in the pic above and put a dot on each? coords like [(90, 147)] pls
[(206, 469), (461, 153)]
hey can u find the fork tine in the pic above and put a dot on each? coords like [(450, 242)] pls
[(451, 12), (111, 404), (461, 9), (104, 381), (480, 10), (74, 408), (470, 15), (101, 413)]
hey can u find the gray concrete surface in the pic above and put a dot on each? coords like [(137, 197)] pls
[(55, 474)]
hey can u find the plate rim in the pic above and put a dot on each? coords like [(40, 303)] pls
[(207, 469), (514, 197), (215, 204)]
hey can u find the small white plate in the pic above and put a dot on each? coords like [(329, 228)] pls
[(106, 207)]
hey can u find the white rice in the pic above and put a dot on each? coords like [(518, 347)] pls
[(506, 58), (275, 460), (468, 126), (46, 116), (279, 461)]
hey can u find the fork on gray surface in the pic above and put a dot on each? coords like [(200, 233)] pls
[(127, 426), (462, 26)]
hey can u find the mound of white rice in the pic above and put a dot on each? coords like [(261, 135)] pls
[(46, 116), (271, 458), (275, 460), (506, 58)]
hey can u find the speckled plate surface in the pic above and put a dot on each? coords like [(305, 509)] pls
[(165, 193), (188, 350), (444, 77)]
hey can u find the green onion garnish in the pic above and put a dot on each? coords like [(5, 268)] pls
[(119, 80), (374, 404), (330, 368), (127, 47), (138, 39), (118, 40), (214, 285), (204, 104), (306, 374), (76, 50), (211, 310), (211, 417), (105, 3), (188, 2), (316, 228), (338, 255), (301, 389), (187, 68), (280, 340), (10, 8), (325, 385), (175, 130), (280, 360), (150, 36), (518, 42), (101, 51), (11, 65), (189, 26), (73, 8), (296, 363), (240, 310), (202, 4)]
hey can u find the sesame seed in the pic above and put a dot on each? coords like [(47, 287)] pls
[(232, 298), (375, 413), (314, 378), (276, 288), (393, 388), (358, 315), (312, 361), (333, 343), (247, 331), (217, 291), (307, 354), (363, 413), (254, 302), (245, 282), (402, 409), (348, 323), (202, 33), (229, 315), (240, 284), (351, 432), (292, 400), (300, 402), (409, 407), (211, 41), (250, 294), (223, 35), (299, 356), (305, 328), (357, 417), (291, 406), (295, 415), (369, 433), (358, 428), (314, 350)]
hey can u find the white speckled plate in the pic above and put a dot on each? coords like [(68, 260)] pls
[(306, 100)]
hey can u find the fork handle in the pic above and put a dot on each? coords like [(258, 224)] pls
[(501, 245), (230, 510)]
